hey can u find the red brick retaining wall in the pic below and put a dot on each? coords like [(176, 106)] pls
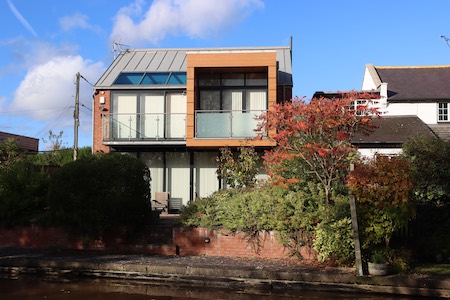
[(184, 242)]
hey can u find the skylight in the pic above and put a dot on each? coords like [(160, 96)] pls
[(152, 78)]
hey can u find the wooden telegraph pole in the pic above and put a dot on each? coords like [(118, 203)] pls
[(76, 117), (358, 258)]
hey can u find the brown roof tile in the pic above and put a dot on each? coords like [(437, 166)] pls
[(393, 130)]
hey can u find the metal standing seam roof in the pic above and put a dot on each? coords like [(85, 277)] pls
[(174, 60)]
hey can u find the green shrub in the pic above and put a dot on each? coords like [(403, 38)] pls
[(93, 195), (334, 234), (334, 240), (293, 214), (23, 191)]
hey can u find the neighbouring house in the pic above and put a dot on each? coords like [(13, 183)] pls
[(390, 132), (31, 145), (389, 135), (174, 109), (412, 100), (422, 91)]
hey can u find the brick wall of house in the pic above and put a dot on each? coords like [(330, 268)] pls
[(99, 110), (184, 242)]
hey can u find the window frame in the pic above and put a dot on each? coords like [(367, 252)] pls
[(443, 112), (220, 83), (171, 78)]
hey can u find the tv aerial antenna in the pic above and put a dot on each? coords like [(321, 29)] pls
[(117, 47), (447, 40)]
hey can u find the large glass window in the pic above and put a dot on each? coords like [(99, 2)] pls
[(232, 91), (148, 115), (229, 103)]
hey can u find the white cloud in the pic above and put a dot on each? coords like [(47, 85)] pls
[(21, 18), (193, 18), (75, 21), (49, 88)]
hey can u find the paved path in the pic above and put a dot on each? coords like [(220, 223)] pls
[(217, 271)]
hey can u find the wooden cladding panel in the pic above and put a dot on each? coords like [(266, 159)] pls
[(223, 60), (227, 59)]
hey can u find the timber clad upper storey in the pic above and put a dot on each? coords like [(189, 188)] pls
[(193, 97)]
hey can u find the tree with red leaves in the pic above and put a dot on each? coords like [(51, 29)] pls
[(314, 139)]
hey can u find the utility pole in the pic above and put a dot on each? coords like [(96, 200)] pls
[(76, 117), (358, 256)]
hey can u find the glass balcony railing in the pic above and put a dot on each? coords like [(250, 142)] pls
[(226, 123), (150, 126)]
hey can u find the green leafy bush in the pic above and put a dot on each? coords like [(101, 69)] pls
[(334, 240), (334, 234), (431, 166), (93, 195), (23, 191), (294, 215)]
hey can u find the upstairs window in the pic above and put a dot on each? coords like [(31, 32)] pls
[(232, 91), (151, 78), (443, 112)]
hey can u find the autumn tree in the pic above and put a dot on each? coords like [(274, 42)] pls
[(314, 139), (383, 188)]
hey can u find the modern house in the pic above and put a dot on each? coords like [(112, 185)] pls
[(174, 109), (29, 144)]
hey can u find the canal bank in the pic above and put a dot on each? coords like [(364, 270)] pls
[(221, 272)]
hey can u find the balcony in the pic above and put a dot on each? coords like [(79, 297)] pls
[(148, 128), (227, 123)]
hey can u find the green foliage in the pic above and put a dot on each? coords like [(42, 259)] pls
[(431, 165), (93, 195), (334, 234), (294, 215), (238, 171), (23, 190), (60, 157), (10, 153)]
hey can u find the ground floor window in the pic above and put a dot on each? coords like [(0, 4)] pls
[(186, 175)]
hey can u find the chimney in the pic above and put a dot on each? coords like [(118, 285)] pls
[(383, 90)]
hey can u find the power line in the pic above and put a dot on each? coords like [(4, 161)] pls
[(447, 40), (31, 110), (54, 123), (86, 80), (82, 104)]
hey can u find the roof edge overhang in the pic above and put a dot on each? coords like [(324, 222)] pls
[(421, 100), (140, 87)]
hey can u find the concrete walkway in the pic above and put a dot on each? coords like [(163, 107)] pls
[(217, 271)]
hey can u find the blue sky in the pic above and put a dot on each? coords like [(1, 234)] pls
[(43, 44)]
